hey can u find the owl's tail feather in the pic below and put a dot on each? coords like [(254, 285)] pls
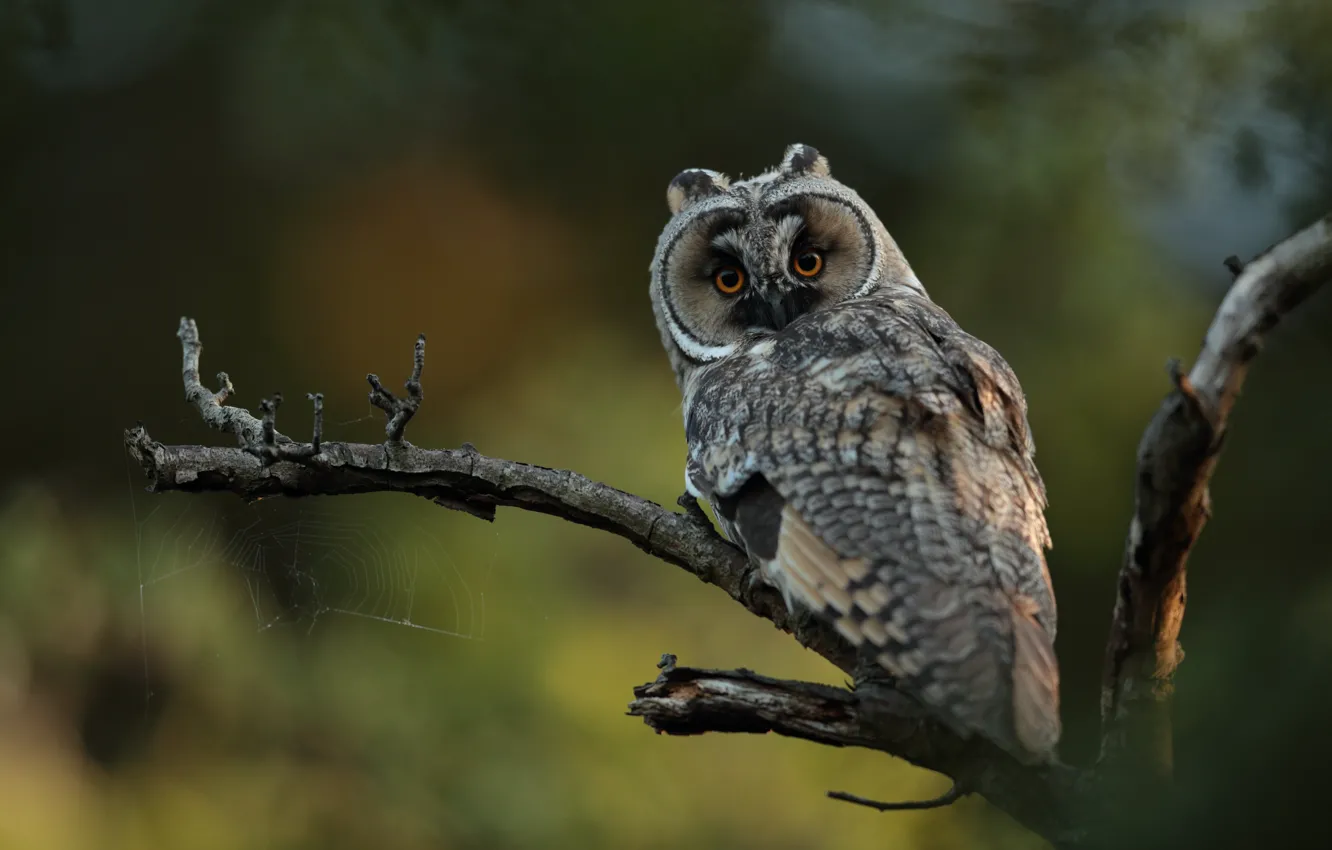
[(1035, 684)]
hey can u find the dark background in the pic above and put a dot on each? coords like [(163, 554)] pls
[(317, 181)]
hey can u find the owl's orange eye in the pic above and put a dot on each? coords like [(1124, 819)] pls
[(807, 263), (729, 280)]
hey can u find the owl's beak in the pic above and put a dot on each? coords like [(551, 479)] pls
[(782, 307)]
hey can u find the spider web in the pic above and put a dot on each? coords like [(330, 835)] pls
[(297, 563)]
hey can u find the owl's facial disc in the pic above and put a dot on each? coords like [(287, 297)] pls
[(748, 258), (754, 262)]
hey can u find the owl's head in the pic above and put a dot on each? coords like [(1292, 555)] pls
[(744, 259)]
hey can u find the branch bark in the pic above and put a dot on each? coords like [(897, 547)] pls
[(468, 481), (1176, 459), (690, 701), (1062, 803)]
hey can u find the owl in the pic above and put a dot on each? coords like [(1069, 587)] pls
[(872, 458)]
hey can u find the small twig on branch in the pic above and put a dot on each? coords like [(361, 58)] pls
[(212, 406), (318, 436), (1176, 458), (947, 798), (258, 437), (267, 450), (273, 447), (400, 410), (223, 379)]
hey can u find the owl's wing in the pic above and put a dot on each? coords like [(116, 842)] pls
[(877, 461)]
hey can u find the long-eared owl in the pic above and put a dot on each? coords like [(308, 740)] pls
[(872, 457)]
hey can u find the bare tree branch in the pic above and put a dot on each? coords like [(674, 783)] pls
[(466, 480), (268, 463), (1176, 458), (689, 701)]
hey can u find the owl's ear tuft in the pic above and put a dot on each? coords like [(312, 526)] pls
[(692, 185), (804, 159)]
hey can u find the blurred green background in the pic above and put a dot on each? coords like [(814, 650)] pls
[(317, 181)]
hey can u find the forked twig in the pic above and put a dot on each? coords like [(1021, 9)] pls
[(400, 410)]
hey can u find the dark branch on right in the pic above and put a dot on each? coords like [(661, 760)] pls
[(1176, 458)]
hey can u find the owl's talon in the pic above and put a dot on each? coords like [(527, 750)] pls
[(689, 502)]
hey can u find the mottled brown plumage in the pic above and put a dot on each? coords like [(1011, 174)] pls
[(872, 456)]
